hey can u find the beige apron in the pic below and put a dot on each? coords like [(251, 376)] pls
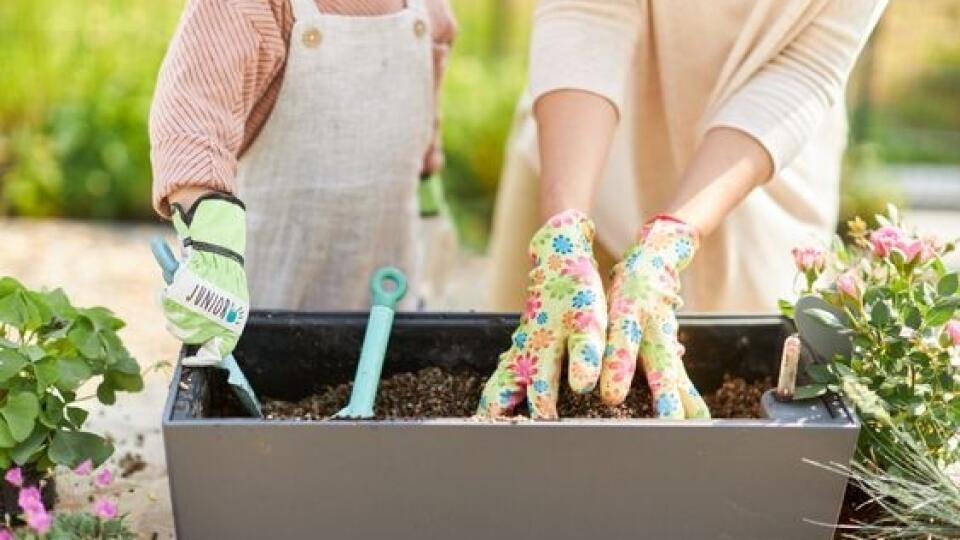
[(330, 183)]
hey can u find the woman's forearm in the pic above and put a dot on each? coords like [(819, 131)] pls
[(727, 166), (575, 131)]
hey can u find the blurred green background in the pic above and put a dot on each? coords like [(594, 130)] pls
[(77, 78)]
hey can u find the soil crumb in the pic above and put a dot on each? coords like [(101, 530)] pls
[(130, 464), (434, 393)]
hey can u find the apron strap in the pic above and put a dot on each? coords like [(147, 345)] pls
[(304, 9)]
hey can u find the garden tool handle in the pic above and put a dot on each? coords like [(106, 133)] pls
[(375, 340), (165, 258)]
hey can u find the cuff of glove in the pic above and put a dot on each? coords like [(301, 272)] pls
[(567, 233), (665, 221), (216, 222)]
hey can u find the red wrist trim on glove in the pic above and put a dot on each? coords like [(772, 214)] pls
[(645, 230)]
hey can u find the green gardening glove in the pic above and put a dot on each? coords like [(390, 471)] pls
[(565, 315), (644, 298), (207, 302)]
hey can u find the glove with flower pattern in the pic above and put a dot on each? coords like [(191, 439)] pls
[(565, 313), (644, 298)]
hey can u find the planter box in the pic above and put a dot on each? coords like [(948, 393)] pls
[(452, 478)]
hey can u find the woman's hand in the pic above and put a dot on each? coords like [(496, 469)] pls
[(565, 315), (643, 302)]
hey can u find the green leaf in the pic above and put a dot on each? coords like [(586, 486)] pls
[(47, 373), (73, 372), (21, 412), (820, 373), (5, 460), (126, 364), (6, 438), (912, 317), (102, 319), (786, 308), (84, 338), (11, 362), (106, 394), (825, 317), (942, 311), (810, 391), (70, 448), (77, 416), (880, 314), (948, 284), (51, 414), (22, 452), (125, 381)]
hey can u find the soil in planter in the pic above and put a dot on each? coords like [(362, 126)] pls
[(433, 393)]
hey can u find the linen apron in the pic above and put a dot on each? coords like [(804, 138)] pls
[(330, 184)]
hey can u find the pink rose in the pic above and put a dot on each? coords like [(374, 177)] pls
[(849, 283), (105, 509), (103, 478), (84, 468), (911, 248), (809, 259), (931, 247), (884, 239), (953, 330), (14, 476), (39, 521)]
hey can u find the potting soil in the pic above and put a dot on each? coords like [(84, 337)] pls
[(434, 393)]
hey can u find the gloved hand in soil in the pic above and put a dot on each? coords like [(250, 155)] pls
[(207, 302), (565, 312), (644, 298)]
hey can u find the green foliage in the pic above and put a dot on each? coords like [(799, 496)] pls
[(81, 526), (48, 350), (904, 372)]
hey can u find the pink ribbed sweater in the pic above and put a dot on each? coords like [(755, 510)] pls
[(221, 77)]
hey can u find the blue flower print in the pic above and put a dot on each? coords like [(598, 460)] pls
[(667, 404), (506, 395), (608, 350), (683, 248), (668, 328), (657, 262), (562, 244), (633, 260), (540, 386), (583, 298), (590, 355), (692, 390), (542, 317), (632, 330), (520, 340)]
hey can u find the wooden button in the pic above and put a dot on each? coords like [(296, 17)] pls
[(419, 28), (312, 37)]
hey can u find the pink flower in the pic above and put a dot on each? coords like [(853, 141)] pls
[(580, 267), (809, 259), (889, 238), (524, 368), (105, 509), (884, 239), (39, 521), (586, 320), (849, 284), (931, 247), (953, 330), (532, 306), (29, 500), (103, 478), (5, 534), (84, 468), (14, 476)]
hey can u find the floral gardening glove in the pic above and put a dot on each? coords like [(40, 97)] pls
[(565, 312), (207, 302), (644, 298)]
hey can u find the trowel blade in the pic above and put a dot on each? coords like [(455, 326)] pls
[(823, 340)]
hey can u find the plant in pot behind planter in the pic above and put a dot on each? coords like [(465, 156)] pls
[(49, 351)]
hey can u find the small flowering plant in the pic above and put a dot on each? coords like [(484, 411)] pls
[(891, 294), (102, 522)]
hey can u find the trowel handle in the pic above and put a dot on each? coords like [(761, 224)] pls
[(165, 258), (371, 362), (384, 296)]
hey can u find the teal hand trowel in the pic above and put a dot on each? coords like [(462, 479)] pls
[(235, 378), (375, 342)]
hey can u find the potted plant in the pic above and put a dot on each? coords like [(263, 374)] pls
[(49, 351), (889, 292)]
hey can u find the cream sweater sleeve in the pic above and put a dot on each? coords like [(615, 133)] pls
[(785, 101), (583, 45)]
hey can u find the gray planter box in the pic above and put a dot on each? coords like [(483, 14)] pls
[(456, 479)]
